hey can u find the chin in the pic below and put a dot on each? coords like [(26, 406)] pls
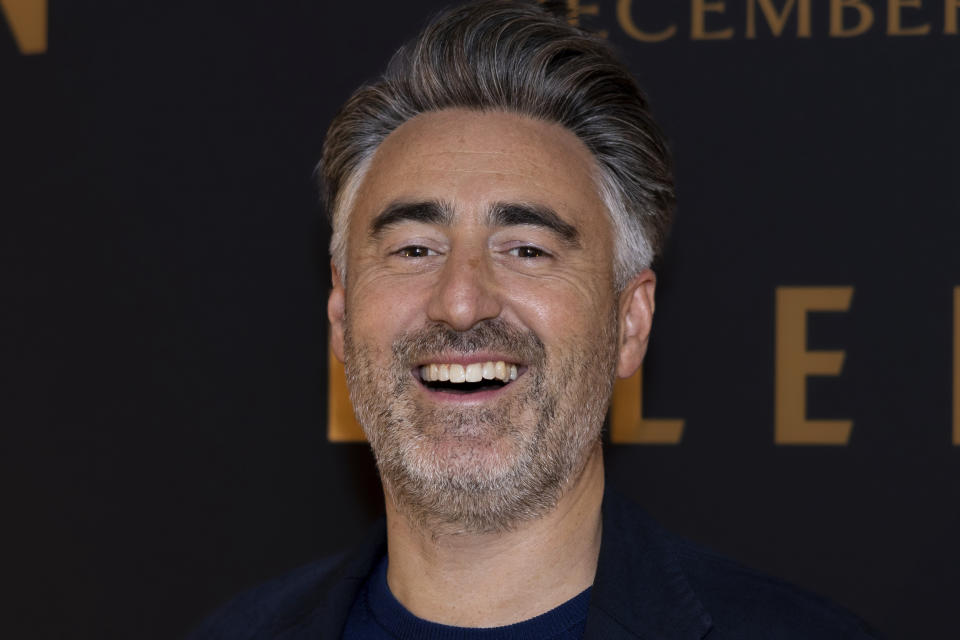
[(475, 460)]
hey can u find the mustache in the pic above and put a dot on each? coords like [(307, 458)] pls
[(495, 334)]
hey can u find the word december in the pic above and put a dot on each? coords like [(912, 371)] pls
[(710, 20)]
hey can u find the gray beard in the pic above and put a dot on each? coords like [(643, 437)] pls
[(445, 469)]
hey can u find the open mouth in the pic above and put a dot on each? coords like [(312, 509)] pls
[(470, 378)]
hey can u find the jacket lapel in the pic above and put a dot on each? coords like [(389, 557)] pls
[(333, 595), (640, 590)]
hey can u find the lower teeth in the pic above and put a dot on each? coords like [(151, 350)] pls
[(464, 387)]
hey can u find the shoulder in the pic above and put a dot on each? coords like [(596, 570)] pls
[(309, 602), (648, 577), (745, 603), (263, 611)]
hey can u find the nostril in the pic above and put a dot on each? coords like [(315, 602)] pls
[(465, 295)]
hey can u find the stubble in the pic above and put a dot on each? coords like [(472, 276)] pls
[(487, 469)]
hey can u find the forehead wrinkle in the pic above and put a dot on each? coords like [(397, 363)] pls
[(451, 152), (534, 156), (538, 169), (494, 172)]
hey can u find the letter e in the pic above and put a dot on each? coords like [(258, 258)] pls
[(895, 26), (698, 21), (956, 366), (795, 363)]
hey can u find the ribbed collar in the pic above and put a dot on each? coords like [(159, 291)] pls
[(395, 618), (640, 590)]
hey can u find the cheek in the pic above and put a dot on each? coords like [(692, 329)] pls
[(574, 291), (559, 311), (380, 309)]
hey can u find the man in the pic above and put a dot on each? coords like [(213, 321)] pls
[(497, 199)]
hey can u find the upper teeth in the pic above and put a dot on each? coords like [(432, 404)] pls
[(470, 373)]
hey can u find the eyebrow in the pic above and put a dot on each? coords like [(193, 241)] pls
[(427, 212), (504, 214), (501, 214)]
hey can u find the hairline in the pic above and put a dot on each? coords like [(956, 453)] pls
[(606, 186)]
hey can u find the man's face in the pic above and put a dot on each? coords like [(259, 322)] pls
[(478, 247)]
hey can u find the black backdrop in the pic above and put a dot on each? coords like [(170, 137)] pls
[(162, 326)]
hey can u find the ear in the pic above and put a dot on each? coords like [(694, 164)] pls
[(635, 322), (336, 312)]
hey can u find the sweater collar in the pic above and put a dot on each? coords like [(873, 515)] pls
[(640, 590)]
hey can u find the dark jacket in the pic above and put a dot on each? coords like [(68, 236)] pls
[(650, 584)]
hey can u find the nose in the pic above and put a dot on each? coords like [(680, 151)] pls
[(465, 293)]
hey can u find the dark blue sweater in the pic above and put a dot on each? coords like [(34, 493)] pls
[(377, 615), (650, 584)]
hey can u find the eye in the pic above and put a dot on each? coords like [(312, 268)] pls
[(415, 251), (528, 252)]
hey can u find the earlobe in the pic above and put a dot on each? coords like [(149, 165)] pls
[(336, 312), (635, 322)]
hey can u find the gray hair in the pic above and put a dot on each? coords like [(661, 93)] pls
[(518, 57)]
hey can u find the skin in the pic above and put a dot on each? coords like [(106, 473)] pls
[(459, 275)]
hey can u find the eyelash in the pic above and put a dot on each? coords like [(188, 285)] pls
[(519, 251), (525, 252), (407, 252)]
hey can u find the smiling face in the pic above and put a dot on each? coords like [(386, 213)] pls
[(478, 323)]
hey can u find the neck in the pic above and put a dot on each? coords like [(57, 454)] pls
[(488, 580)]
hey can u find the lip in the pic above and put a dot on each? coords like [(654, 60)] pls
[(469, 358), (467, 399)]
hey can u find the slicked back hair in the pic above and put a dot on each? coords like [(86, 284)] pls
[(519, 57)]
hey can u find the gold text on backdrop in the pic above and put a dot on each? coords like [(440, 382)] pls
[(894, 15), (625, 20), (956, 366), (28, 23), (778, 21), (627, 423), (712, 20), (794, 363), (342, 426)]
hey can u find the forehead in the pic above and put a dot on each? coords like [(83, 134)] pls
[(471, 159)]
